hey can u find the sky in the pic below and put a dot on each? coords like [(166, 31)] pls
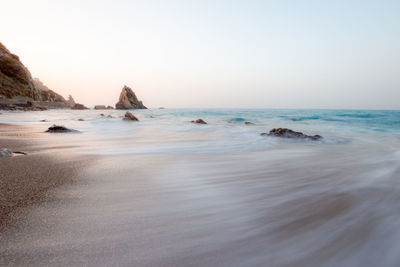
[(212, 54)]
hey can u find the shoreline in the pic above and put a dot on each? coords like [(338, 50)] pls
[(26, 180)]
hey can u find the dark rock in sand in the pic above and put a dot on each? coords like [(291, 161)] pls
[(248, 123), (130, 117), (287, 133), (128, 100), (199, 121), (81, 120), (102, 114), (79, 107), (20, 153), (59, 129), (43, 120)]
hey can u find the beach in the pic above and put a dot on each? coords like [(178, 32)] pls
[(28, 180), (166, 192)]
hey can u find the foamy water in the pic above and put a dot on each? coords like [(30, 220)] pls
[(165, 192)]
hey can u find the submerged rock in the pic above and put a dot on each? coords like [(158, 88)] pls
[(249, 123), (59, 129), (287, 133), (199, 121), (128, 100), (4, 153), (130, 117)]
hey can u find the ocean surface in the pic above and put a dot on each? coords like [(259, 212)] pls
[(166, 192)]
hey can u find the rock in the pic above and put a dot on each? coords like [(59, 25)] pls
[(19, 91), (71, 101), (59, 129), (20, 153), (287, 133), (43, 120), (109, 116), (100, 107), (199, 121), (15, 78), (102, 114), (4, 153), (103, 107), (130, 117), (128, 100), (248, 123), (81, 120), (48, 95), (79, 107)]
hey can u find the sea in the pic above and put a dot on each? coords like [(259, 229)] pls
[(168, 192)]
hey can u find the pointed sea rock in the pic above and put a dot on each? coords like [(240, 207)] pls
[(128, 100)]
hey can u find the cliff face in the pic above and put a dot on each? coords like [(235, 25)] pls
[(15, 78), (19, 91), (46, 94), (128, 100)]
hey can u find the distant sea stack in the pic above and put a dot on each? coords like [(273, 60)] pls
[(128, 100), (19, 91)]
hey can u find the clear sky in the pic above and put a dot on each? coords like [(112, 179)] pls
[(244, 54)]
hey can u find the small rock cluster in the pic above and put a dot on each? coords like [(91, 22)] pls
[(130, 117), (287, 133)]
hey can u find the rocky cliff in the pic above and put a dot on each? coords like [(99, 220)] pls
[(128, 100), (15, 78), (19, 91), (46, 94)]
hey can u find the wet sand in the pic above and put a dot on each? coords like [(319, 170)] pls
[(30, 179), (298, 204)]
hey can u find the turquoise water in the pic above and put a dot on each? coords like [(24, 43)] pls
[(170, 130), (166, 192)]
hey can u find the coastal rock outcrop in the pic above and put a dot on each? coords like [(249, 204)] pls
[(71, 101), (46, 94), (130, 117), (128, 100), (103, 107), (199, 121), (59, 129), (287, 133), (79, 106), (19, 91), (15, 78)]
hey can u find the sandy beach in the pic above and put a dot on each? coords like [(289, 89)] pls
[(150, 193), (30, 179)]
